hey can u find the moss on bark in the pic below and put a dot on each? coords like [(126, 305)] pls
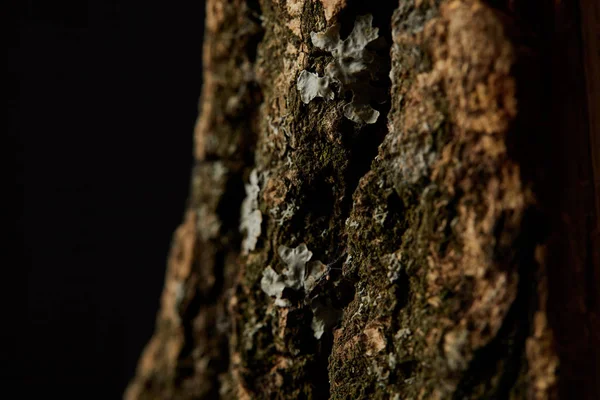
[(431, 234)]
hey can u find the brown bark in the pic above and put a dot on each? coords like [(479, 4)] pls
[(459, 232)]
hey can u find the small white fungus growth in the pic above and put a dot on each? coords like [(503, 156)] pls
[(350, 55), (402, 333), (294, 275), (394, 265), (299, 273), (251, 217), (311, 85), (295, 260), (360, 112), (324, 317), (392, 360), (272, 284), (286, 214), (380, 215), (353, 66), (318, 323)]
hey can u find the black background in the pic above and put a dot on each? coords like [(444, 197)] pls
[(102, 118)]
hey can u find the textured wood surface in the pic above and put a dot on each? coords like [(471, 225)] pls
[(444, 239)]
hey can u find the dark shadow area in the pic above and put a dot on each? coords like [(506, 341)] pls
[(556, 158), (102, 119)]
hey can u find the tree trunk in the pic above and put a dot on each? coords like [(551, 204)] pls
[(390, 200)]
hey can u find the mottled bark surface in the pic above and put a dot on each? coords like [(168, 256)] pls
[(435, 222)]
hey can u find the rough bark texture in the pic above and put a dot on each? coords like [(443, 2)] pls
[(442, 231)]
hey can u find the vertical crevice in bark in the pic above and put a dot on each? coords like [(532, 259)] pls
[(363, 146)]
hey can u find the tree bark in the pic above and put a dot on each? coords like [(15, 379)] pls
[(457, 235)]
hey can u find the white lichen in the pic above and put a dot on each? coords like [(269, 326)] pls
[(293, 275), (311, 85), (380, 215), (403, 333), (250, 331), (300, 274), (273, 284), (285, 215), (317, 325), (251, 217), (325, 316), (295, 260), (352, 68), (394, 265), (392, 361)]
